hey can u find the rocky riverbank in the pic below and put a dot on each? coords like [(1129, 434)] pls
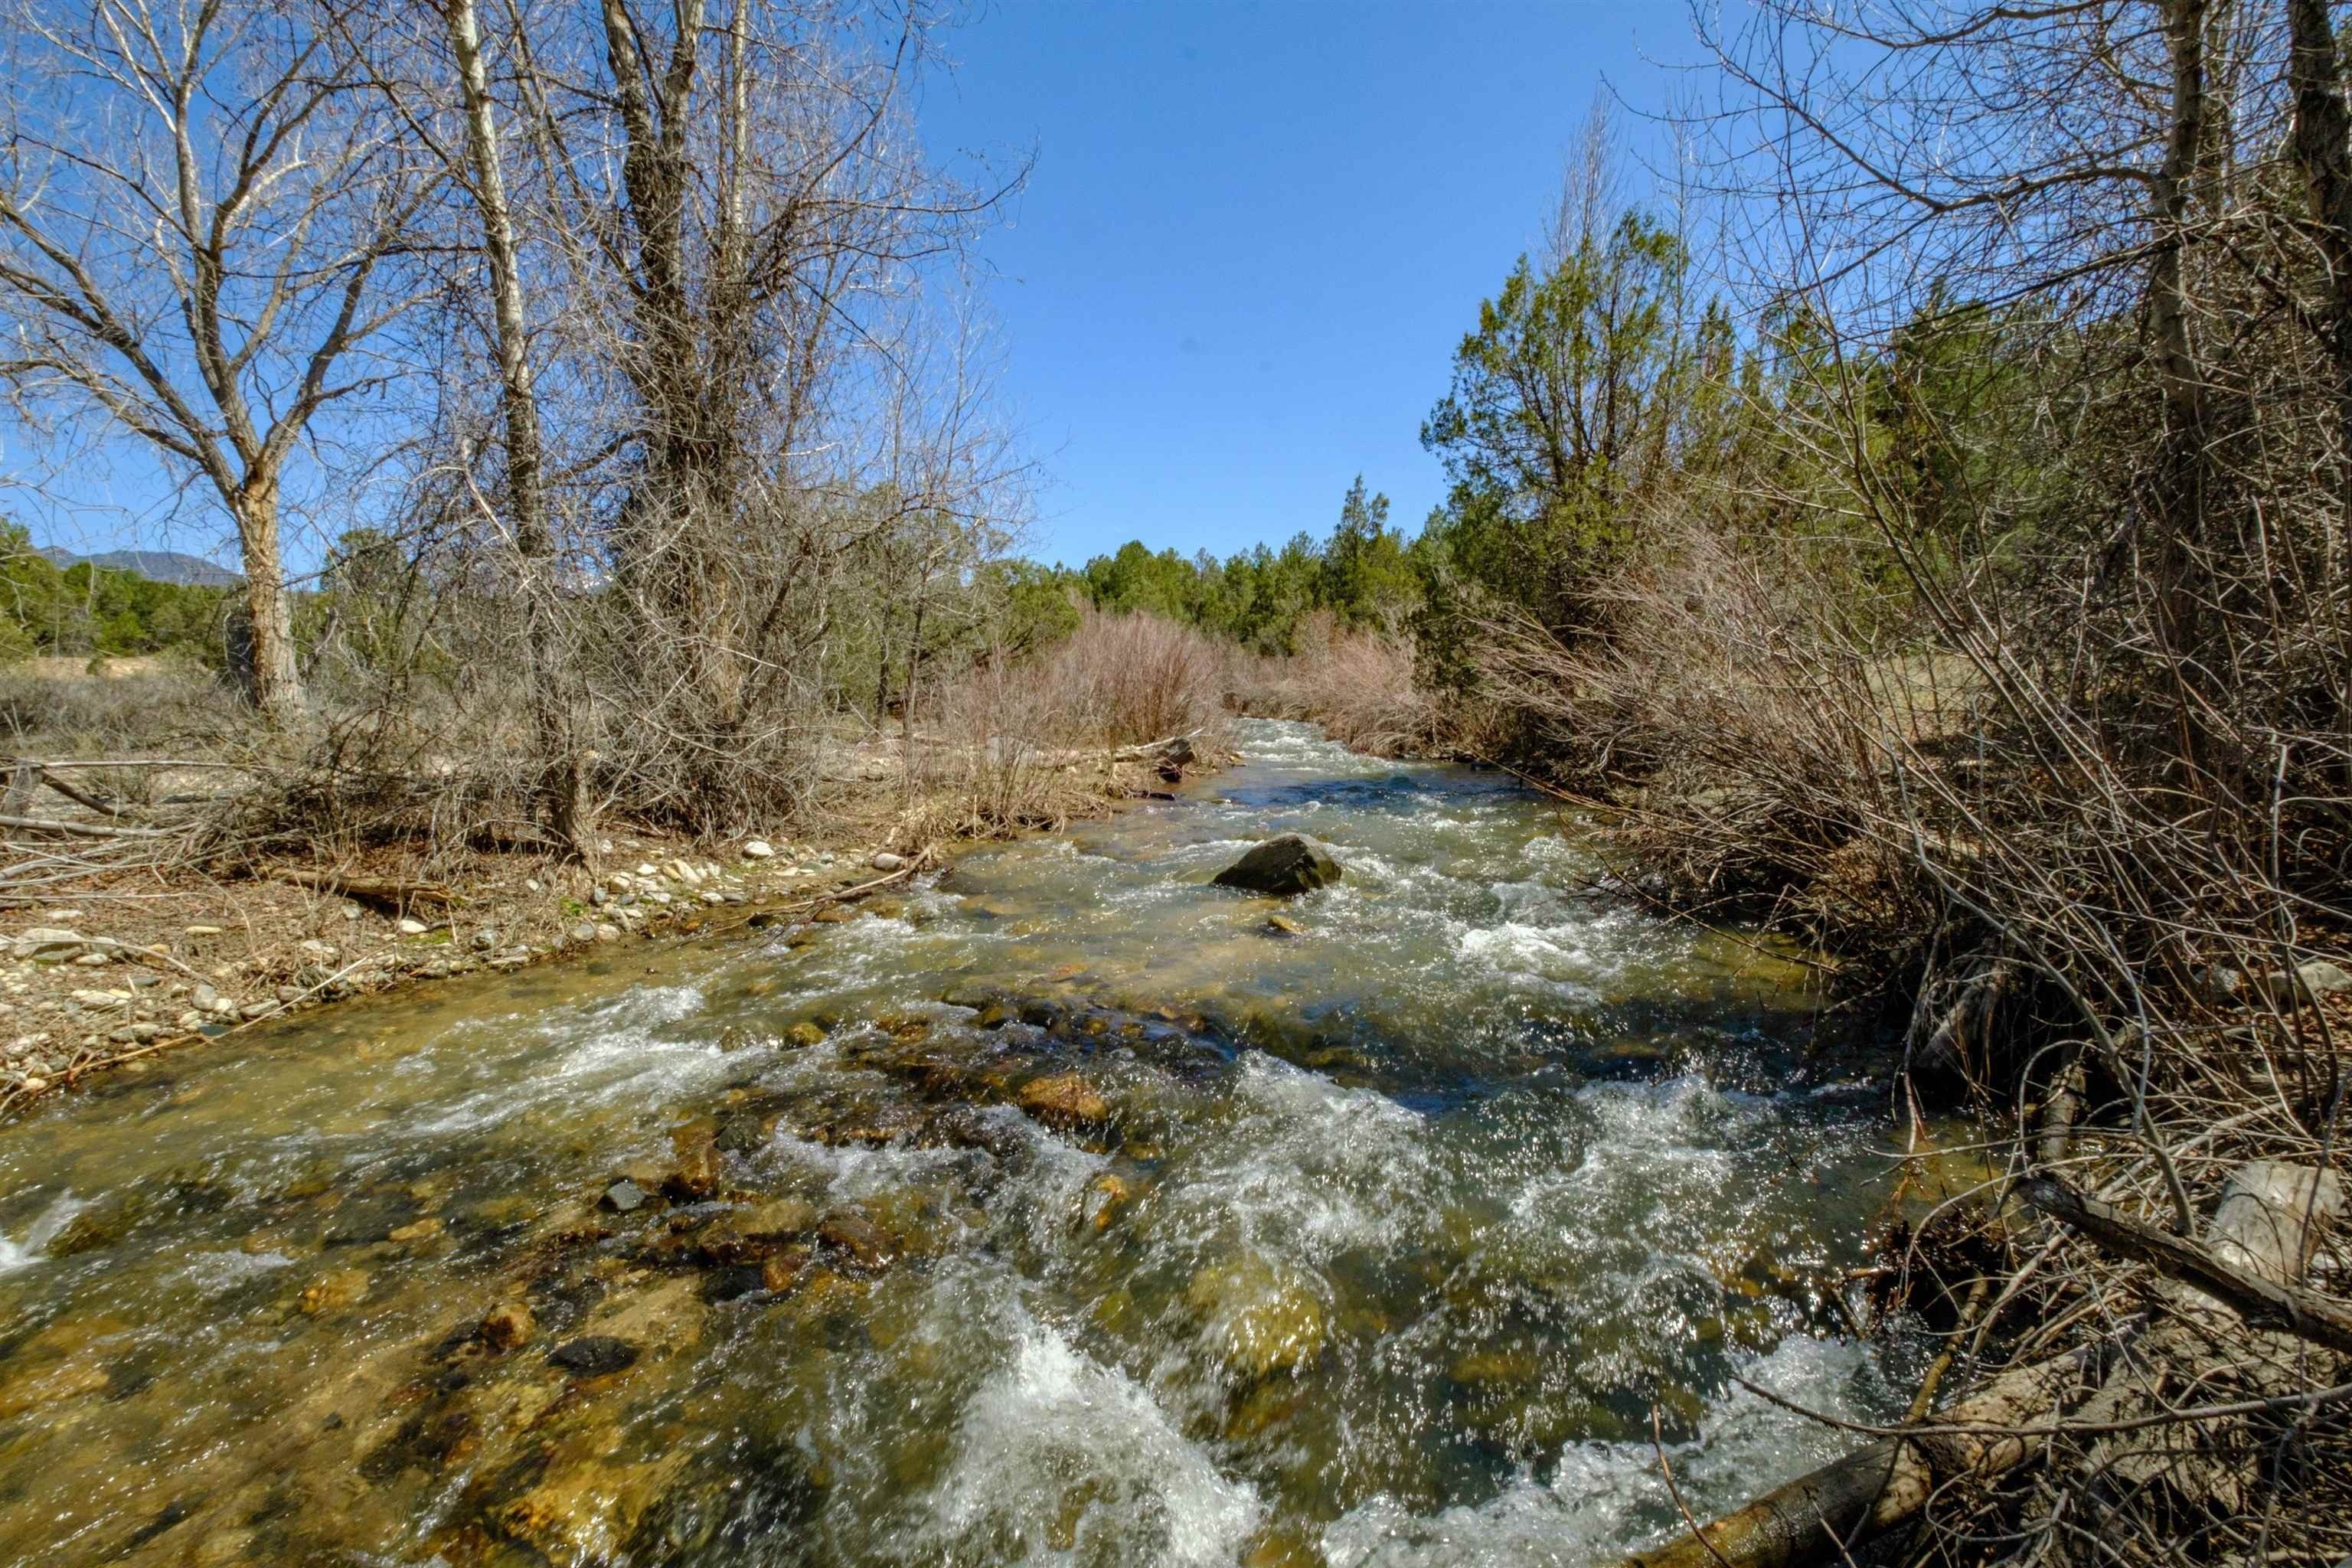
[(127, 966)]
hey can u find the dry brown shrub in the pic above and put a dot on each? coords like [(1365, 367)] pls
[(1357, 683), (1126, 680)]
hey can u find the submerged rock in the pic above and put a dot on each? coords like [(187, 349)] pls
[(508, 1325), (624, 1196), (1063, 1100), (333, 1292), (696, 1176), (1257, 1320), (858, 1240), (1288, 865), (594, 1356)]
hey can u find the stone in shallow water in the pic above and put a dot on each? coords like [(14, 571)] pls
[(1256, 1318), (508, 1325), (1063, 1100), (1290, 864), (594, 1356), (624, 1196)]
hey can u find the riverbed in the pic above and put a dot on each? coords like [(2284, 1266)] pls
[(1062, 1209)]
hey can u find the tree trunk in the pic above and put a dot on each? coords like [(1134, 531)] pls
[(552, 699), (2180, 505), (2323, 152), (268, 670)]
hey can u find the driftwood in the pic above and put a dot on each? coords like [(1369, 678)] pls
[(384, 891), (2252, 1259)]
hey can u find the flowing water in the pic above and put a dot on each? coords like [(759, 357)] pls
[(1106, 1224)]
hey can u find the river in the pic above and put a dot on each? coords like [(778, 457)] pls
[(1106, 1224)]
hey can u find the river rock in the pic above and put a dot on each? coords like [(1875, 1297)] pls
[(739, 1132), (1292, 863), (860, 1240), (333, 1292), (695, 1174), (758, 849), (1063, 1100), (751, 1233), (594, 1356), (885, 861), (1256, 1319), (507, 1325), (804, 1034), (407, 926), (624, 1196), (48, 944)]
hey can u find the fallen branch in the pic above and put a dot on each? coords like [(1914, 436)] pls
[(2263, 1303), (385, 890), (80, 829)]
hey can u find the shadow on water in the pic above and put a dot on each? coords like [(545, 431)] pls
[(1065, 1210)]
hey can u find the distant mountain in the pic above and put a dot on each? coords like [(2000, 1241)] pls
[(155, 565)]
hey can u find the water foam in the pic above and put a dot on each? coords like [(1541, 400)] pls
[(23, 1254), (1062, 1459)]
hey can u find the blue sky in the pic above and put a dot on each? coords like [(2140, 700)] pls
[(1255, 233)]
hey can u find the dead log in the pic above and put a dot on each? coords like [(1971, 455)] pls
[(385, 892)]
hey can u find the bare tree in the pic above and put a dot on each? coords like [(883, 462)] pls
[(196, 215), (552, 697)]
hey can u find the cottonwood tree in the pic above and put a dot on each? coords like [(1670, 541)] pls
[(200, 221), (756, 259)]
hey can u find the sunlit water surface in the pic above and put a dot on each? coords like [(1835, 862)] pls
[(1380, 1243)]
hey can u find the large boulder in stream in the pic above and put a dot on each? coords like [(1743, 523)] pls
[(1290, 864)]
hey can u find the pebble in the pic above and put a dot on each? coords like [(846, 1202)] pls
[(758, 849), (885, 861), (585, 932), (608, 934), (624, 1196), (408, 927), (202, 931), (352, 912)]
